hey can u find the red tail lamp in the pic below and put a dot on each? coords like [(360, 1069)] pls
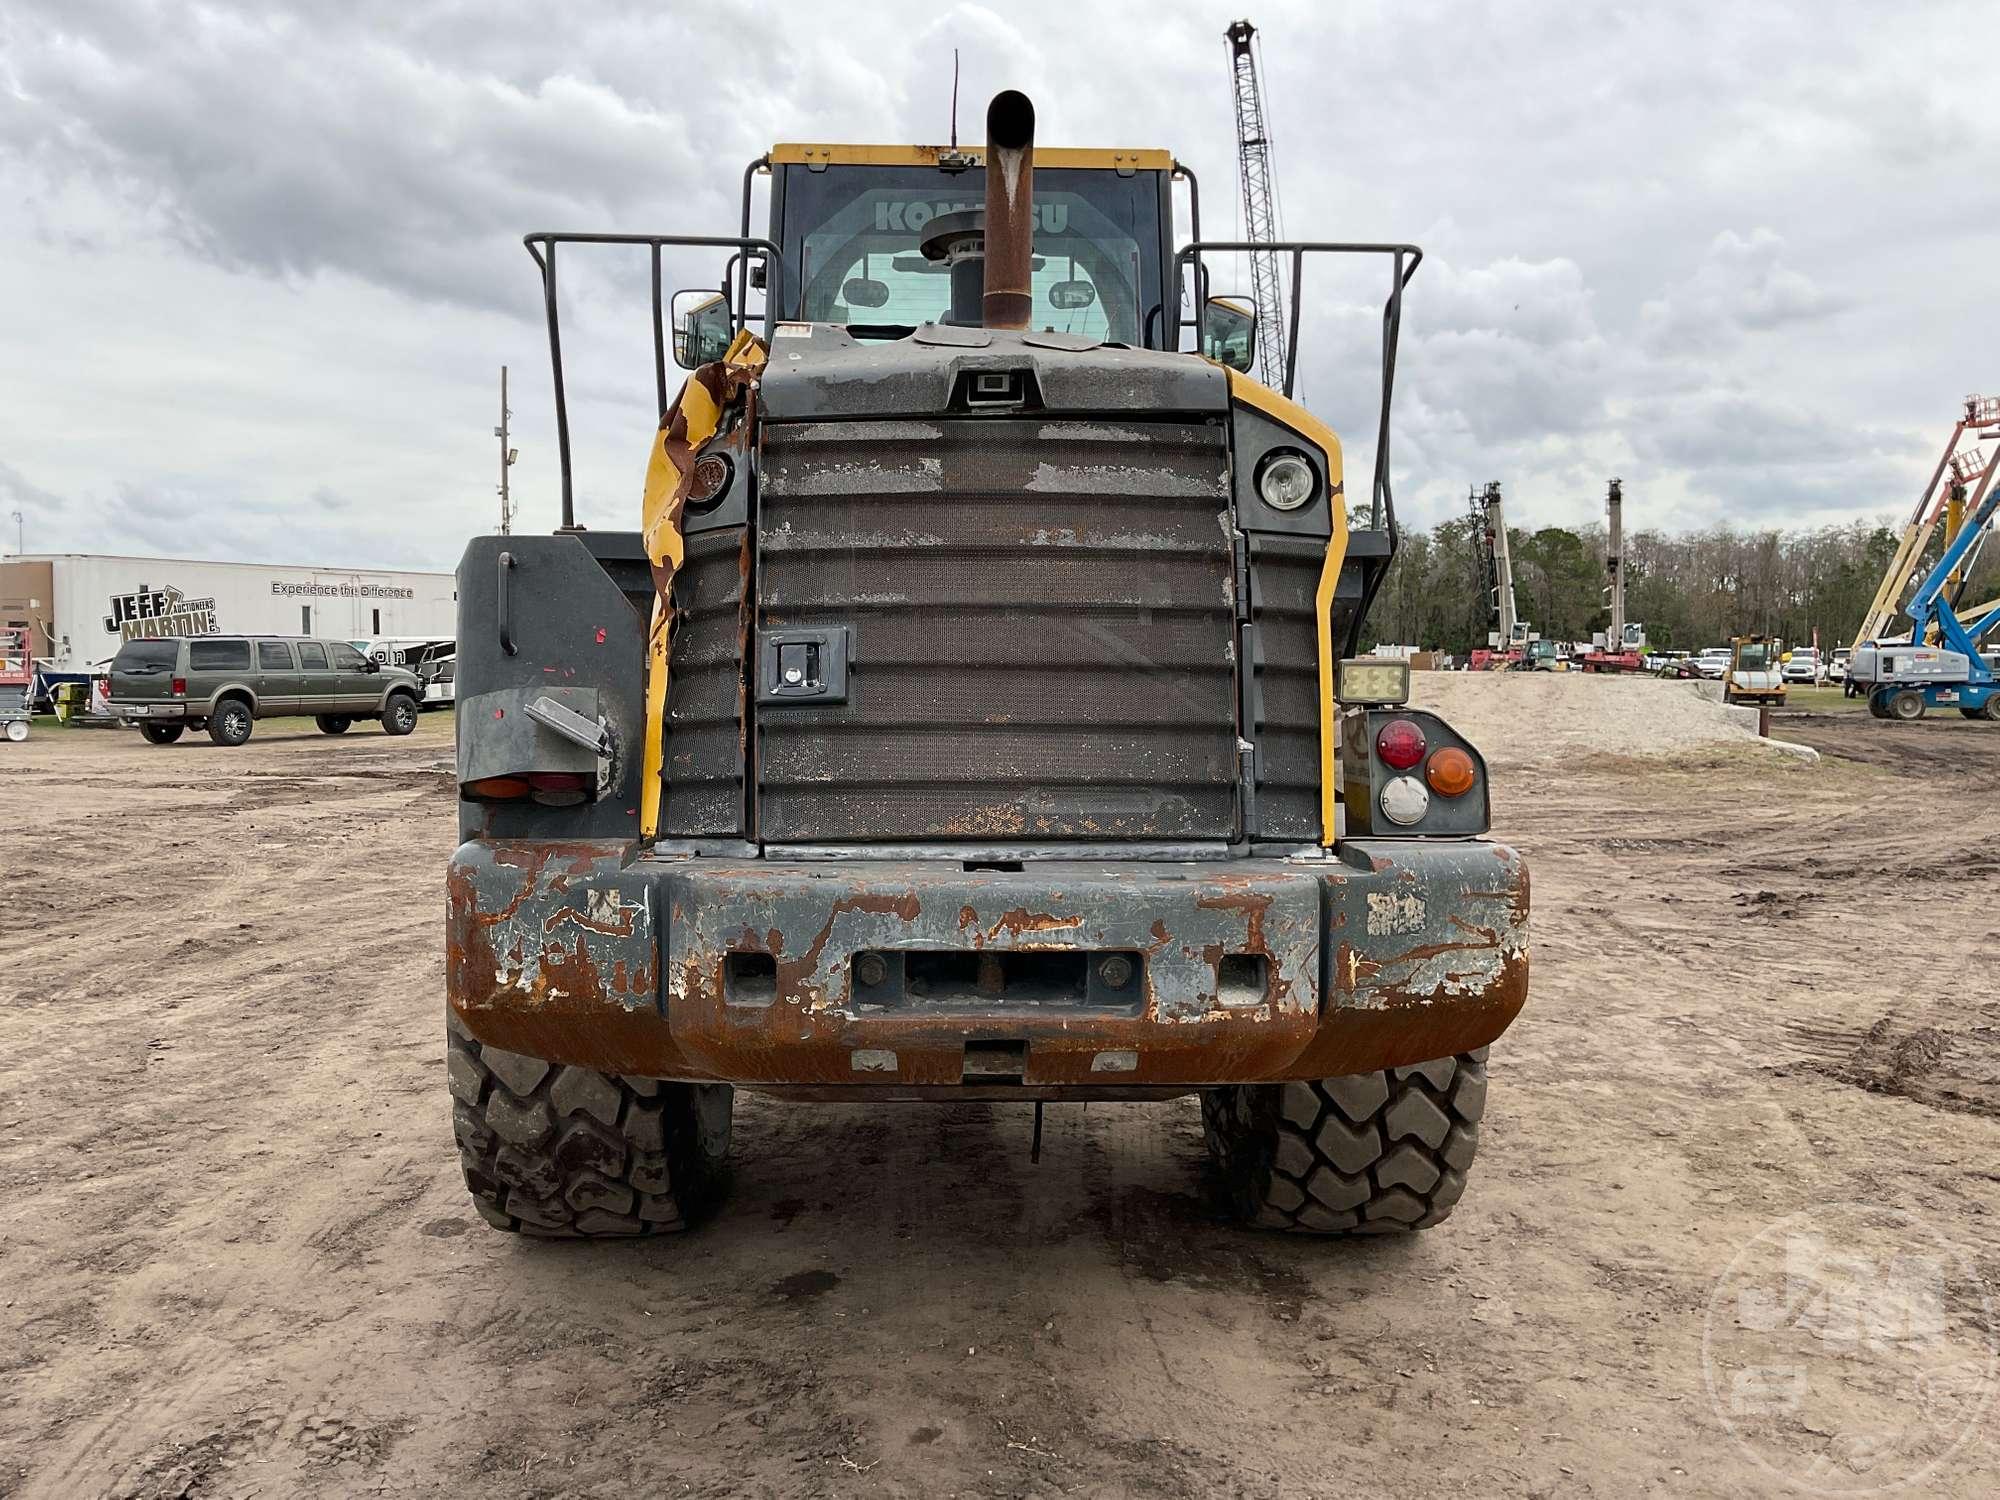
[(1450, 772), (180, 687), (497, 788), (1400, 744), (557, 781)]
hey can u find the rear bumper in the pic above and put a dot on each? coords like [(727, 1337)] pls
[(170, 709), (1251, 971)]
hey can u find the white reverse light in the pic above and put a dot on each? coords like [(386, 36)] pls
[(1405, 801)]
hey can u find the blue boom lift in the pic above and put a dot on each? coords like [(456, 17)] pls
[(1950, 674)]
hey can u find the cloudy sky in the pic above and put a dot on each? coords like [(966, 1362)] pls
[(260, 265)]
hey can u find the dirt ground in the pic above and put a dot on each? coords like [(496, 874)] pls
[(236, 1257)]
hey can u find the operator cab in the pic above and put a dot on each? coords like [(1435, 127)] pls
[(851, 222)]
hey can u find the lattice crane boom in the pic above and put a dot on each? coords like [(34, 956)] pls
[(1260, 215)]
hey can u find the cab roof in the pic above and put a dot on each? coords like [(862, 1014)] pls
[(794, 153)]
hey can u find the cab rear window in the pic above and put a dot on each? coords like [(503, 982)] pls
[(145, 654), (218, 656)]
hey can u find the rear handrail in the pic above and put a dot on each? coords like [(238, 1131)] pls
[(542, 246)]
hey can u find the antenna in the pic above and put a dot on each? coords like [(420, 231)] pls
[(506, 458), (954, 98)]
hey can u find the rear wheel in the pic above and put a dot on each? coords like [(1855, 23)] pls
[(399, 715), (161, 734), (1372, 1153), (1993, 709), (332, 723), (1906, 705), (17, 730), (230, 723), (571, 1152)]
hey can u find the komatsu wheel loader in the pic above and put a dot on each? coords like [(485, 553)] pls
[(973, 715)]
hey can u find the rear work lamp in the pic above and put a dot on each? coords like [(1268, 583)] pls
[(1372, 681)]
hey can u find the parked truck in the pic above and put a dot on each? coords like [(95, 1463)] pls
[(78, 609), (974, 715)]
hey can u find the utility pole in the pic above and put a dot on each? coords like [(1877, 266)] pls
[(507, 456), (1260, 215)]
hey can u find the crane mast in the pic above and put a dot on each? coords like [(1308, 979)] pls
[(1489, 529), (1253, 171)]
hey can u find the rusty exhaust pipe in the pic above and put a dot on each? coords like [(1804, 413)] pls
[(1008, 295)]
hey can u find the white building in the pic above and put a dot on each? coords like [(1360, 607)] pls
[(79, 608)]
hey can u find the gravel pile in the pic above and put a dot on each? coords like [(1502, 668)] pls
[(1553, 716)]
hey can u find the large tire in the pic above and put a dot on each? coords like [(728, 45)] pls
[(570, 1152), (332, 723), (161, 734), (1373, 1153), (230, 723), (399, 714), (1906, 705)]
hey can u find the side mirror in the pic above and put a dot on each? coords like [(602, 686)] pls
[(1229, 332), (370, 665), (703, 327), (1071, 296), (862, 292)]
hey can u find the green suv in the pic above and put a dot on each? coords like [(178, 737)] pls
[(225, 683)]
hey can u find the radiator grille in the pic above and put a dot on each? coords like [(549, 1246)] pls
[(1284, 579), (704, 743), (1041, 618)]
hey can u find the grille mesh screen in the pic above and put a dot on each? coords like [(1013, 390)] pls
[(1041, 620), (704, 793), (1284, 578)]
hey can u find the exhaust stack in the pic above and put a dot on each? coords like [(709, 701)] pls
[(1008, 298)]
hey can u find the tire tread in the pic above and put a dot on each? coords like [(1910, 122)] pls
[(1372, 1153)]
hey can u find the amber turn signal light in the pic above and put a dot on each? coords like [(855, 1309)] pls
[(1450, 772)]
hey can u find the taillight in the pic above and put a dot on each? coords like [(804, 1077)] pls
[(1450, 772), (1400, 744), (1404, 801), (559, 788), (550, 788), (180, 687), (497, 788)]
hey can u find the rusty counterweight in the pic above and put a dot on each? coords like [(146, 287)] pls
[(596, 955)]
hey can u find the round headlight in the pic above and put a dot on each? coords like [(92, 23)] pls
[(711, 478), (1286, 481)]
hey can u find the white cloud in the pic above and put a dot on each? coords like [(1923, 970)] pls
[(1742, 286), (265, 260)]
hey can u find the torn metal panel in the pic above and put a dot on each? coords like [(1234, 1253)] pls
[(552, 949)]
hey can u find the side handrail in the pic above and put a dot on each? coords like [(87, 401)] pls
[(542, 246), (1405, 260)]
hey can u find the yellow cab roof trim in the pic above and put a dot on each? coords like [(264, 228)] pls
[(815, 154)]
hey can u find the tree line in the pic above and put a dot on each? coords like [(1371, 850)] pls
[(1691, 589)]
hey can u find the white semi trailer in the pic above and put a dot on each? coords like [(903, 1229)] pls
[(80, 607)]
